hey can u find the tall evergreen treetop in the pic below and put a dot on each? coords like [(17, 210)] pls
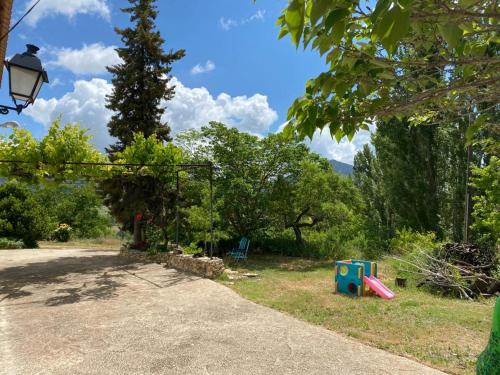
[(141, 80)]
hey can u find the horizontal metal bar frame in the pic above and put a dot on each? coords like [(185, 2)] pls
[(103, 164)]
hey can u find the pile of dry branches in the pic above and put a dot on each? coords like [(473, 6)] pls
[(461, 270)]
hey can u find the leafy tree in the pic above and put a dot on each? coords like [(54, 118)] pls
[(246, 169), (78, 205), (308, 198), (367, 177), (196, 213), (452, 177), (146, 188), (486, 213), (52, 157), (407, 158), (418, 58), (21, 217), (141, 81), (272, 189), (141, 86)]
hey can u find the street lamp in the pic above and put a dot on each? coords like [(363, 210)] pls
[(10, 125), (26, 77)]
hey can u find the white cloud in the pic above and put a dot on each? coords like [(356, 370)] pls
[(90, 59), (323, 144), (56, 82), (259, 16), (68, 8), (190, 108), (200, 69), (85, 105), (228, 23), (196, 107)]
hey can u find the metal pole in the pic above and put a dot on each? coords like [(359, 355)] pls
[(468, 195), (211, 210), (177, 213)]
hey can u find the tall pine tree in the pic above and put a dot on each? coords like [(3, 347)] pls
[(141, 84), (141, 80)]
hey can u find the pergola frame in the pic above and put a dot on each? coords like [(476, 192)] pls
[(178, 168)]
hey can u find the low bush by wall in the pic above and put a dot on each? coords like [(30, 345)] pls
[(7, 244), (204, 266)]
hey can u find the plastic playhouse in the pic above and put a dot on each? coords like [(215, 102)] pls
[(359, 278)]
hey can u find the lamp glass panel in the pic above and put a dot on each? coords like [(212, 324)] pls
[(38, 87), (22, 82)]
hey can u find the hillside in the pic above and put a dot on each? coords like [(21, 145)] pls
[(340, 167)]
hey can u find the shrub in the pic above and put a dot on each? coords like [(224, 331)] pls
[(21, 216), (6, 243), (407, 241), (329, 245), (192, 249), (155, 241), (411, 247), (78, 206), (62, 233)]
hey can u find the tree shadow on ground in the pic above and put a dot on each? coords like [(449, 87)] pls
[(104, 287), (101, 278), (74, 279)]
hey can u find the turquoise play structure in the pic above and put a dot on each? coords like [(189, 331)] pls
[(359, 278), (241, 252)]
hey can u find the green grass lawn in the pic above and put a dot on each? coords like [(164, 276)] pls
[(444, 333)]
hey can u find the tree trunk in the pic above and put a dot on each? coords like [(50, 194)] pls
[(137, 231), (298, 235)]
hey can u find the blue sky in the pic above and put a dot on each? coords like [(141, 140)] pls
[(235, 70)]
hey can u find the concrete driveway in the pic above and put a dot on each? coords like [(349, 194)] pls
[(89, 312)]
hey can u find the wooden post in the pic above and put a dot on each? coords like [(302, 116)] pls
[(5, 15)]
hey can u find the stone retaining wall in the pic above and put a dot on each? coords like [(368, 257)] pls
[(204, 266)]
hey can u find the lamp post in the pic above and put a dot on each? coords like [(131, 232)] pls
[(26, 77), (10, 125)]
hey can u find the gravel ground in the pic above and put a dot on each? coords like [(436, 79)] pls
[(89, 312)]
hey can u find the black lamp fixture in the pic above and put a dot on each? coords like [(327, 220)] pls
[(26, 77)]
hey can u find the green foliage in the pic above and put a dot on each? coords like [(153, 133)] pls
[(407, 241), (21, 218), (143, 189), (197, 215), (141, 84), (309, 197), (79, 206), (62, 233), (192, 249), (149, 151), (49, 157), (408, 165), (141, 81), (154, 239), (6, 243), (486, 212), (247, 169), (273, 190), (407, 161), (392, 58)]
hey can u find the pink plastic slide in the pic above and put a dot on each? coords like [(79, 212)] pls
[(380, 289)]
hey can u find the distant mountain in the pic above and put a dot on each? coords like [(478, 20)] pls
[(342, 168)]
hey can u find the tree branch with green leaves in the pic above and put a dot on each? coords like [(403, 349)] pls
[(389, 58)]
